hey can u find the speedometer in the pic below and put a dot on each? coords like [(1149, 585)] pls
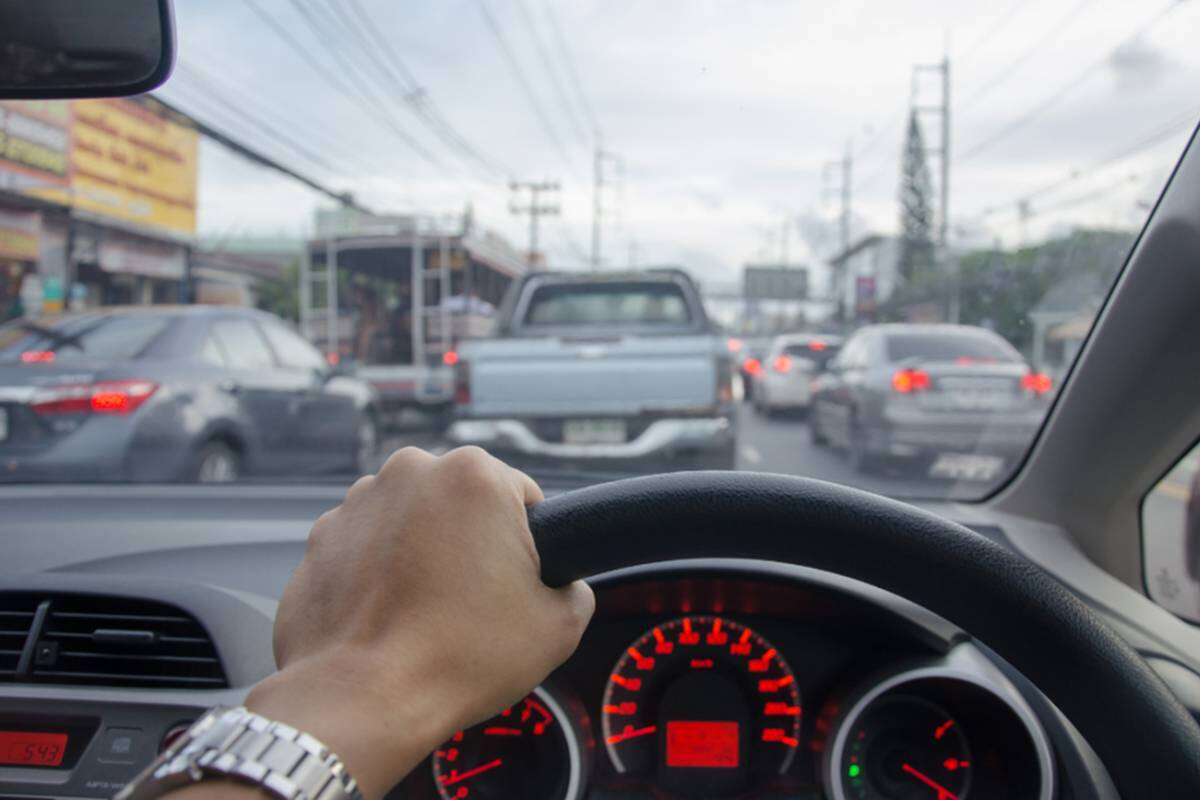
[(704, 705)]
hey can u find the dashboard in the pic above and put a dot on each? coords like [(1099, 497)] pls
[(696, 679)]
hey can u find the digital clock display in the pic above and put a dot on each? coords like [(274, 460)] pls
[(29, 749)]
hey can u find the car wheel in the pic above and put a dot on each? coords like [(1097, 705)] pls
[(814, 428), (216, 462), (861, 458), (366, 447)]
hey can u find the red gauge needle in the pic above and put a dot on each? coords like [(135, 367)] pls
[(631, 733), (942, 792), (471, 773), (496, 731)]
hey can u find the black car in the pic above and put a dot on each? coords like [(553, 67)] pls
[(186, 393), (956, 399)]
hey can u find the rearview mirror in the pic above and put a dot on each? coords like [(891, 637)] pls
[(84, 48)]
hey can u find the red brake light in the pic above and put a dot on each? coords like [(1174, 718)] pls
[(107, 397), (734, 344), (333, 358), (817, 346), (37, 357), (910, 380), (782, 364), (1036, 382), (752, 366), (450, 358)]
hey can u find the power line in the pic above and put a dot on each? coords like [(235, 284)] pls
[(1140, 145), (995, 28), (205, 88), (391, 68), (572, 74), (351, 92), (552, 72), (1052, 100), (1013, 66), (526, 87)]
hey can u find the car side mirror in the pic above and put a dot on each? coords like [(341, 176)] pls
[(84, 48)]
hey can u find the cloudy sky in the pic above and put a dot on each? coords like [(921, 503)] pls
[(723, 113)]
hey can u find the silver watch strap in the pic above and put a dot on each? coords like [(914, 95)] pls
[(241, 745)]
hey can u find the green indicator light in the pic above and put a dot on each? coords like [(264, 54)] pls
[(855, 769)]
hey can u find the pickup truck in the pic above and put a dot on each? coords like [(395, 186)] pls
[(599, 371)]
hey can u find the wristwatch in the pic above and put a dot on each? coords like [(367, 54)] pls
[(233, 743)]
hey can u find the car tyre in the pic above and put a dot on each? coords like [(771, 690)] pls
[(861, 458), (216, 462), (815, 433)]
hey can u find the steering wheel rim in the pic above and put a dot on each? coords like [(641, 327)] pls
[(1146, 739)]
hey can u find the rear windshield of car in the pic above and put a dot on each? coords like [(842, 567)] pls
[(946, 346), (89, 338), (820, 353), (640, 304)]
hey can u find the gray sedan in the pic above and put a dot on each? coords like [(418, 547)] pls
[(188, 393), (955, 401)]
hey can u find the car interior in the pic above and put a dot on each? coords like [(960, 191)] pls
[(941, 649)]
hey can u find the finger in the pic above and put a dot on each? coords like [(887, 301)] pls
[(403, 461), (578, 603), (531, 493)]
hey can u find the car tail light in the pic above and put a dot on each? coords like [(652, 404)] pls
[(781, 364), (333, 358), (450, 358), (462, 382), (106, 397), (905, 381), (734, 344), (817, 346), (37, 357), (1036, 382), (753, 366)]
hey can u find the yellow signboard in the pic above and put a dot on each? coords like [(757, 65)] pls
[(119, 159), (134, 165)]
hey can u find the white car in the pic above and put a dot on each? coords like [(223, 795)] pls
[(784, 381)]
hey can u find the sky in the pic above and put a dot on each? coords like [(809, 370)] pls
[(722, 116)]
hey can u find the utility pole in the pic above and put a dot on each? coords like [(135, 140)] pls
[(598, 183), (843, 169), (942, 153), (534, 209)]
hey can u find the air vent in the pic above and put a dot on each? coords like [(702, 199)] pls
[(113, 641), (17, 613)]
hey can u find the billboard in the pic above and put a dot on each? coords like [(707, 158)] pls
[(774, 282), (114, 158)]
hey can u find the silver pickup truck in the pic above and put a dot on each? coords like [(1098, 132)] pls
[(610, 371)]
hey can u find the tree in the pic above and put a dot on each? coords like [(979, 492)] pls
[(916, 209), (282, 296)]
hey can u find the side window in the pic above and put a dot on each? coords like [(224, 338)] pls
[(291, 349), (1171, 538), (242, 344)]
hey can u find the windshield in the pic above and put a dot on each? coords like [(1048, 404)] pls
[(861, 242)]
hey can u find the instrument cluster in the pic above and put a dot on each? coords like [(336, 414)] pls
[(732, 687)]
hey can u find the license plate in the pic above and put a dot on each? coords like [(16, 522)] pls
[(594, 431), (3, 424), (966, 467)]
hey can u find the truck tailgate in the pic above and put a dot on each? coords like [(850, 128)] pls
[(621, 376)]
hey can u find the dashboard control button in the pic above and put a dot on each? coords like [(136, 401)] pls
[(122, 746)]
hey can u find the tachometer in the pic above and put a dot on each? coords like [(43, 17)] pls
[(704, 705), (529, 750)]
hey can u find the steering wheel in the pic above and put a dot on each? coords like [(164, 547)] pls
[(1145, 737)]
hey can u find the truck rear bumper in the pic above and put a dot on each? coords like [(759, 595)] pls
[(661, 437)]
